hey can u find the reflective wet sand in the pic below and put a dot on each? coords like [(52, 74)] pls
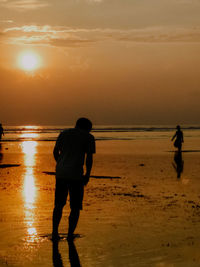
[(148, 217)]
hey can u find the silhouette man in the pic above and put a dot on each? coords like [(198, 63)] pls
[(179, 163), (179, 138), (73, 255), (71, 148), (1, 131)]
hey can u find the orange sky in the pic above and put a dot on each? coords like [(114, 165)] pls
[(114, 61)]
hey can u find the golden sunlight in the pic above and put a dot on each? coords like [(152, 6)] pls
[(29, 134), (29, 61), (29, 148)]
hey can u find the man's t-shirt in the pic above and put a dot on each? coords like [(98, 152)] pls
[(73, 144)]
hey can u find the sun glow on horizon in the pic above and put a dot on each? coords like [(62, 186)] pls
[(29, 61)]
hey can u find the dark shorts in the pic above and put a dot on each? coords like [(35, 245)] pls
[(75, 190)]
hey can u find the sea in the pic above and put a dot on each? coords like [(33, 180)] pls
[(101, 133)]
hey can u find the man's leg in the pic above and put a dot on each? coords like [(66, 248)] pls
[(76, 192), (73, 220), (179, 148), (61, 193)]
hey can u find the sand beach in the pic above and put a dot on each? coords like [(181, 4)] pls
[(136, 212), (132, 67)]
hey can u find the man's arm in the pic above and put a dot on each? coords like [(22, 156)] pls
[(173, 137), (88, 163), (57, 150), (56, 153)]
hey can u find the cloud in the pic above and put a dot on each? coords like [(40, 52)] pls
[(6, 21), (91, 1), (70, 42), (161, 35), (190, 2), (50, 29), (73, 37), (23, 4), (51, 41), (53, 36), (94, 1), (32, 28)]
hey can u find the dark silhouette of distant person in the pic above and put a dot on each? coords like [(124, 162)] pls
[(73, 255), (179, 138), (1, 131), (74, 148), (178, 163)]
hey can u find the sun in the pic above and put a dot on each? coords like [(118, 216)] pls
[(29, 61)]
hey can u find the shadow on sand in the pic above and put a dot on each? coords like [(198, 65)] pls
[(8, 165), (187, 151), (92, 176)]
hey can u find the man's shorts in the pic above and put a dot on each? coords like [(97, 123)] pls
[(75, 190)]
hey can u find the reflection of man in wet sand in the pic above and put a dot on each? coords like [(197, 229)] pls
[(179, 163), (1, 154), (70, 150), (179, 138), (73, 255), (1, 131)]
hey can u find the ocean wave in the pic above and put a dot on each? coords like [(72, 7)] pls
[(55, 138), (101, 133), (57, 129)]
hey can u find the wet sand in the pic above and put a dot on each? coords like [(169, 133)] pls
[(145, 217)]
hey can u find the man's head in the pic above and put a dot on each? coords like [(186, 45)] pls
[(178, 127), (84, 124)]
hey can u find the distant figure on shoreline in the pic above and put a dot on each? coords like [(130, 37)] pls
[(1, 131), (179, 138), (69, 152)]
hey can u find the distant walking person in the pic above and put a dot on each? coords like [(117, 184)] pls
[(69, 152), (1, 131), (179, 138)]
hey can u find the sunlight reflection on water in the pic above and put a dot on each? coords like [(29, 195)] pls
[(29, 149), (29, 189)]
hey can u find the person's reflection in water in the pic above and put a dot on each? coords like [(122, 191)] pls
[(178, 163), (1, 131), (73, 255), (57, 260), (1, 154)]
